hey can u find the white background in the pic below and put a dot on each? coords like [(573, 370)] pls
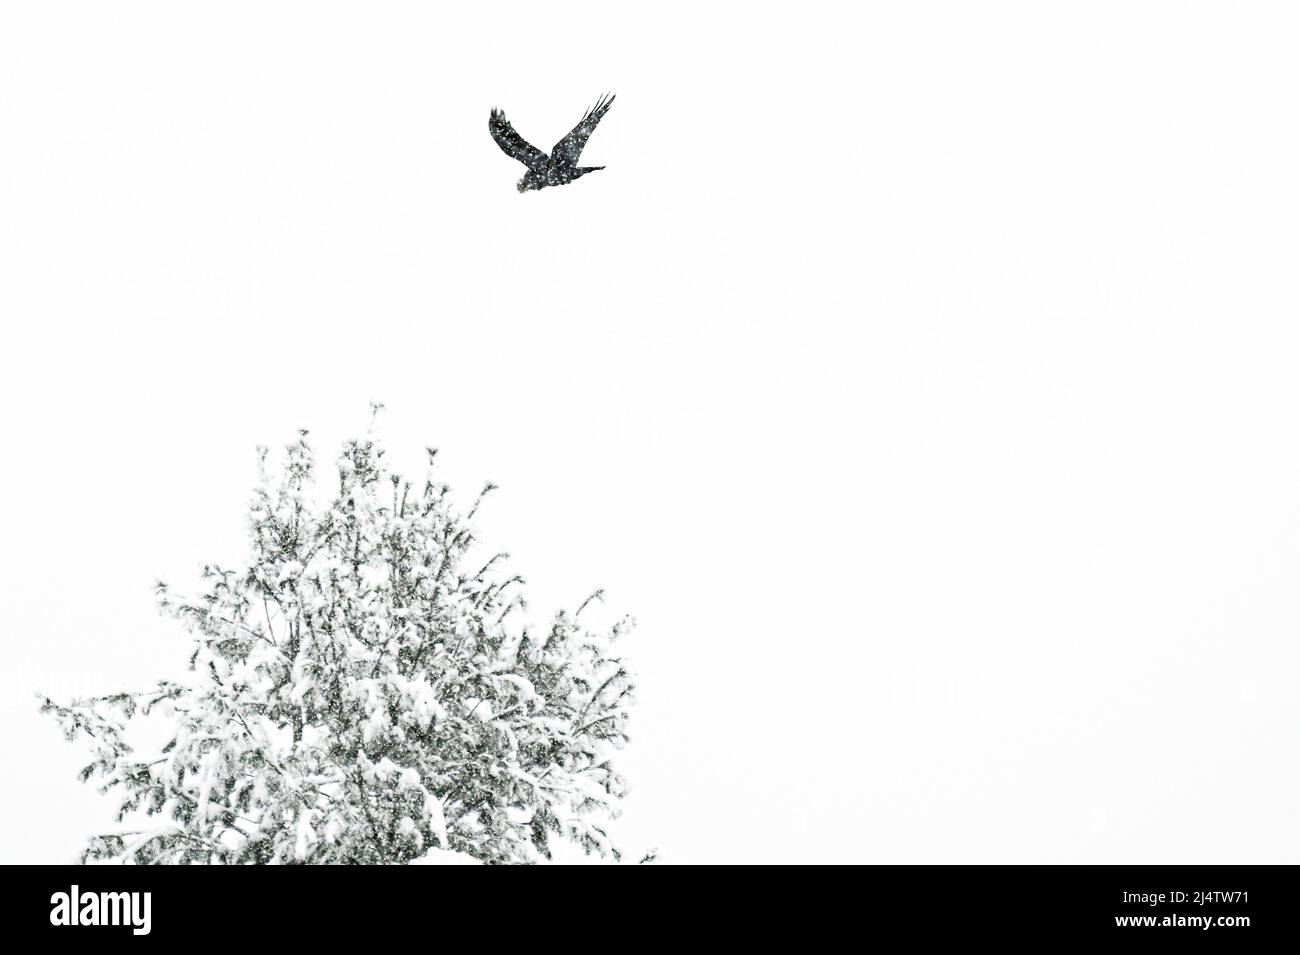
[(921, 376)]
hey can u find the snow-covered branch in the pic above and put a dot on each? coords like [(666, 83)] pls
[(363, 691)]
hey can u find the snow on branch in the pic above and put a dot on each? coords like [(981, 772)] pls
[(364, 690)]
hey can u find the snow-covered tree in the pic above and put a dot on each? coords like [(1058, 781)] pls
[(364, 691)]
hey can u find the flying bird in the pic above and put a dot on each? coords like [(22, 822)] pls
[(561, 166)]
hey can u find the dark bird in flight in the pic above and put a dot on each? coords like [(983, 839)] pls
[(561, 166)]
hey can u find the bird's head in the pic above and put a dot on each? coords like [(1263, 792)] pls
[(530, 181)]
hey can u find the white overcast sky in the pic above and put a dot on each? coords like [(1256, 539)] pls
[(922, 376)]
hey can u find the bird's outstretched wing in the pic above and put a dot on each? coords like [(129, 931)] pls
[(514, 145), (568, 149)]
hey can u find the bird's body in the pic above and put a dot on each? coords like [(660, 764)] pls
[(552, 176), (561, 166)]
